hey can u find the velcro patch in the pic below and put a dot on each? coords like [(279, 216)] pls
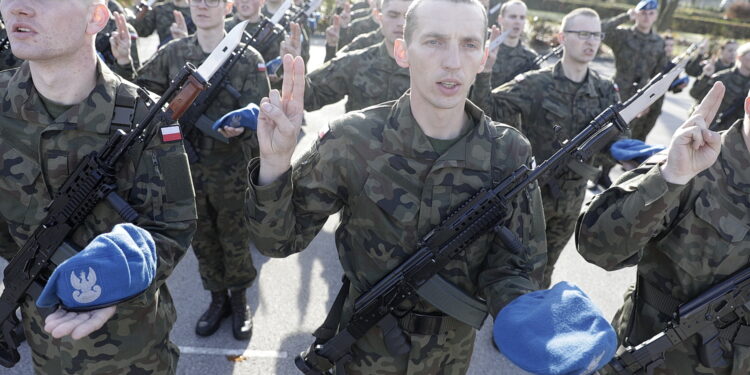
[(171, 134)]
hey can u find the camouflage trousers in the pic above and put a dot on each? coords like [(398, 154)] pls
[(134, 341), (221, 242), (683, 359), (642, 126), (560, 215)]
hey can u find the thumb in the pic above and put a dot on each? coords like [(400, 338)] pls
[(336, 22)]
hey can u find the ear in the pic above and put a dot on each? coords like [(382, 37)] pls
[(747, 105), (377, 16), (98, 18), (560, 37), (400, 54)]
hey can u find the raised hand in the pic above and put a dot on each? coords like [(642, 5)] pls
[(280, 120), (179, 28), (346, 15), (333, 31), (709, 68), (494, 34), (77, 324), (292, 43), (120, 40), (694, 147)]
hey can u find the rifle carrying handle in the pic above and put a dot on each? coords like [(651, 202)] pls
[(182, 101)]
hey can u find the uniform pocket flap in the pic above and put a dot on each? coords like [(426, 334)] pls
[(709, 208), (395, 200)]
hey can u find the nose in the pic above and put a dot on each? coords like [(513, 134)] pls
[(17, 7), (452, 57)]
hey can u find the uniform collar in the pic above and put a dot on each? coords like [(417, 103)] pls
[(587, 86), (403, 136), (650, 35), (385, 61), (193, 50), (735, 157), (93, 114)]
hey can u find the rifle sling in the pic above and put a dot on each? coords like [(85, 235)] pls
[(453, 301), (662, 302)]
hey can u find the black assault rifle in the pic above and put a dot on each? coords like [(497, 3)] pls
[(487, 210), (537, 62)]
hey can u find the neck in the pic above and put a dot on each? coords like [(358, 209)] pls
[(52, 78), (208, 39), (389, 48), (511, 41), (438, 123), (273, 7), (253, 18), (574, 70)]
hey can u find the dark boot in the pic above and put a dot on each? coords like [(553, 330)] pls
[(242, 322), (217, 311)]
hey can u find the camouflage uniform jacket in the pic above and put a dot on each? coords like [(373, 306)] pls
[(368, 77), (379, 169), (268, 52), (683, 238), (38, 154), (510, 60), (737, 87), (638, 56), (363, 41), (357, 28), (694, 67), (248, 76), (160, 18)]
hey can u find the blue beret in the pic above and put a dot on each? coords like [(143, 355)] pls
[(247, 117), (114, 267), (647, 5), (555, 331), (633, 149)]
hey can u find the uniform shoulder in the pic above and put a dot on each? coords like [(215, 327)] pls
[(535, 77), (357, 126), (5, 77), (601, 81), (511, 141)]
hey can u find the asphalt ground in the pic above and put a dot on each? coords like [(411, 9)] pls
[(291, 296)]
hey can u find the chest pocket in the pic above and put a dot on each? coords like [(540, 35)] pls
[(394, 200), (19, 182), (722, 248)]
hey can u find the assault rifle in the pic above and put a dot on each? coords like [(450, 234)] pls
[(93, 181), (486, 210), (537, 61), (713, 313)]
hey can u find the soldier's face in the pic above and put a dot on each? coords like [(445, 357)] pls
[(248, 8), (744, 62), (644, 19), (729, 52), (41, 30), (669, 46), (443, 56), (514, 19), (578, 49), (206, 17), (392, 18)]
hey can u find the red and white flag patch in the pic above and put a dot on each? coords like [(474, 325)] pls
[(171, 133), (261, 67)]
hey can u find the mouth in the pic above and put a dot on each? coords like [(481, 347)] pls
[(449, 86), (22, 28)]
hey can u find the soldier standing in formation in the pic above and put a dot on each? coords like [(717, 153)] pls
[(736, 81), (724, 59), (250, 10), (163, 19), (394, 171), (512, 55), (552, 105), (50, 123), (221, 242)]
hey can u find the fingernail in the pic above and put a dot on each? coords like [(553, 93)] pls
[(266, 107)]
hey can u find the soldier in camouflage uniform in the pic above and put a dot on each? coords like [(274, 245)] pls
[(724, 60), (221, 242), (512, 57), (358, 27), (394, 171), (736, 81), (160, 19), (249, 10), (568, 94), (367, 77), (270, 8), (681, 218), (639, 55), (46, 130)]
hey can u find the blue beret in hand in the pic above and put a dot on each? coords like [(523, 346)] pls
[(554, 332), (247, 117), (114, 267), (647, 5), (633, 149)]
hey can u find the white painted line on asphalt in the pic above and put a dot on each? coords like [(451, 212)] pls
[(233, 352)]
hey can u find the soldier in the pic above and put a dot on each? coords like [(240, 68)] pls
[(395, 171), (567, 95), (512, 55), (369, 76), (357, 27), (50, 122), (681, 219), (724, 59), (269, 9), (736, 81), (221, 241), (639, 55), (163, 18), (250, 10)]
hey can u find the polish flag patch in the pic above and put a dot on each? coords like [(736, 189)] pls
[(171, 133), (261, 67)]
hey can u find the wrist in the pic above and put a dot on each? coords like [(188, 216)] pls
[(674, 177), (271, 169)]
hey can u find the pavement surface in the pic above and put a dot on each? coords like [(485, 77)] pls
[(291, 296)]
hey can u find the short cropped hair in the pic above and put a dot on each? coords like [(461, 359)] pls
[(509, 3), (411, 17), (586, 12)]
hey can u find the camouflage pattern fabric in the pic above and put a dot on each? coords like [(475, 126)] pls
[(540, 100), (270, 51), (306, 33), (379, 169), (363, 41), (638, 56), (8, 247), (153, 179), (159, 19), (361, 6), (683, 239), (737, 87), (367, 77), (357, 28), (221, 241), (694, 67), (510, 60)]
